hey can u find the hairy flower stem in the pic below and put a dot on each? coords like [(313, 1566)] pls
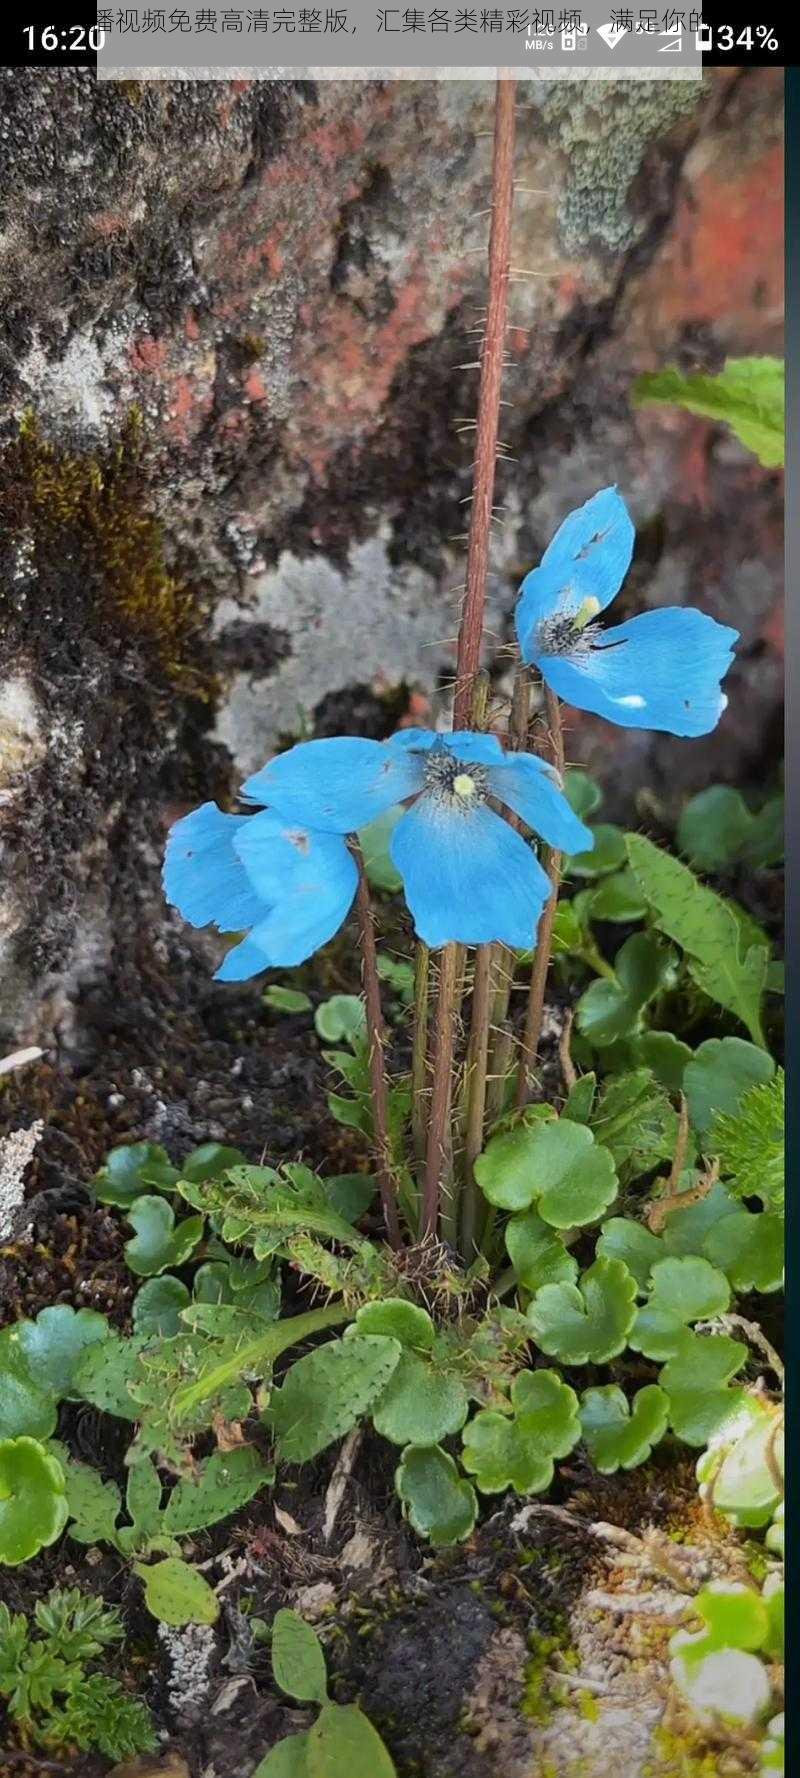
[(476, 1095), (379, 1091), (470, 635), (419, 1056), (503, 958), (439, 1143), (551, 859)]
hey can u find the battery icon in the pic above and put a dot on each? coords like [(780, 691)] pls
[(704, 37)]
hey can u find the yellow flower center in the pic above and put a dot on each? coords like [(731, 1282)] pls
[(464, 785), (585, 613)]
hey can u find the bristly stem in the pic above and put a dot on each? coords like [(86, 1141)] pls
[(551, 859), (419, 1055), (438, 1127), (470, 633), (503, 959), (476, 1095), (379, 1092)]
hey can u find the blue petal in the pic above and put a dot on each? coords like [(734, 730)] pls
[(336, 785), (310, 880), (203, 877), (588, 558), (242, 961), (468, 876), (529, 786), (661, 670), (464, 744)]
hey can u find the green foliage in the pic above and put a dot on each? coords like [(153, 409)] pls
[(587, 1323), (635, 1123), (749, 1249), (717, 830), (749, 1143), (620, 1434), (298, 1663), (218, 1487), (607, 854), (375, 840), (342, 1743), (48, 1692), (159, 1242), (516, 1449), (622, 1238), (726, 952), (537, 1252), (177, 1594), (718, 1076), (129, 1170), (158, 1305), (681, 1291), (554, 1164), (697, 1381), (613, 1009), (717, 1668), (748, 395), (341, 1019), (327, 1391), (288, 1000), (741, 1474), (33, 1499), (38, 1361), (436, 1500)]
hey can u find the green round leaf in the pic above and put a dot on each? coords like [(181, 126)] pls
[(159, 1242), (587, 1323), (420, 1405), (582, 792), (537, 1253), (341, 1019), (748, 1483), (129, 1171), (212, 1160), (177, 1594), (617, 898), (401, 1320), (610, 1010), (553, 1163), (681, 1291), (697, 1382), (33, 1499), (53, 1344), (157, 1306), (636, 1246), (298, 1663), (350, 1194), (685, 1230), (714, 827), (26, 1409), (749, 1248), (607, 854), (720, 1072), (436, 1500), (517, 1451), (666, 1056), (619, 1435)]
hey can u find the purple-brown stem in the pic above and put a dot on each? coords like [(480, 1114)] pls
[(470, 633), (379, 1090), (551, 860)]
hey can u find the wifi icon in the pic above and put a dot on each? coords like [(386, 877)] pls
[(611, 34)]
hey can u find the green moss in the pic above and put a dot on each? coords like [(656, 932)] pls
[(690, 1754), (588, 1706), (540, 1690), (85, 512)]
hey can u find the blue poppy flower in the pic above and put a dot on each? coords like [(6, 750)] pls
[(292, 888), (468, 876), (661, 670)]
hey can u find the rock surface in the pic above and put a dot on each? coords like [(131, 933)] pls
[(240, 315)]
